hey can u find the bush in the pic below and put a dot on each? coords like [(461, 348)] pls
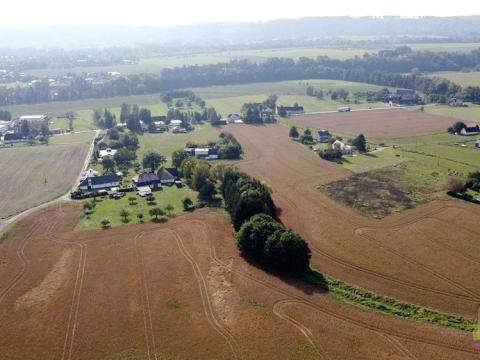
[(105, 223), (455, 185), (330, 154), (187, 204)]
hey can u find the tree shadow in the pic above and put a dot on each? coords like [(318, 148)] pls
[(310, 282)]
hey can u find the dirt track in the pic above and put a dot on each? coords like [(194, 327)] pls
[(378, 124), (428, 255), (179, 290)]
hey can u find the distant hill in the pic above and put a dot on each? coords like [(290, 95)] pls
[(465, 28)]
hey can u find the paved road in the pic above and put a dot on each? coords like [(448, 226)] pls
[(64, 197)]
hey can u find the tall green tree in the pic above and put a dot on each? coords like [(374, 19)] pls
[(360, 143), (153, 160), (293, 133)]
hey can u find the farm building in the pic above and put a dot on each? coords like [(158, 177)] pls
[(34, 118), (323, 136), (99, 182), (89, 173), (294, 110), (203, 153), (179, 130), (345, 149), (145, 179), (231, 118), (344, 109), (12, 138), (456, 102), (165, 177), (470, 129), (174, 123), (477, 144), (108, 152)]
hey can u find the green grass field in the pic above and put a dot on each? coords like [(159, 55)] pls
[(469, 113), (461, 78), (76, 138), (156, 64), (110, 209), (168, 142)]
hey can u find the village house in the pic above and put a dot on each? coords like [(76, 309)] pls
[(174, 123), (35, 118), (293, 110), (12, 138), (166, 177), (108, 152), (345, 149), (323, 136), (456, 102), (89, 173), (145, 179), (477, 144), (99, 182), (179, 130), (470, 128), (232, 118)]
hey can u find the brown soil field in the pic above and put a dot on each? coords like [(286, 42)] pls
[(179, 290), (378, 124), (52, 170), (428, 255)]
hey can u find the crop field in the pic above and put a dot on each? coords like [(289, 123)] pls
[(461, 78), (379, 124), (340, 237), (180, 290), (33, 175)]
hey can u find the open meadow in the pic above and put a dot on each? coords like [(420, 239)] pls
[(180, 290), (32, 175)]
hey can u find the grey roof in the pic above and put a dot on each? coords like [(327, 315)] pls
[(164, 175), (145, 178), (99, 180)]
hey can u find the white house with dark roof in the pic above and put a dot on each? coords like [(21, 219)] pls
[(99, 182), (470, 128)]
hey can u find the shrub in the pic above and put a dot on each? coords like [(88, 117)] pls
[(187, 203), (105, 223), (455, 185)]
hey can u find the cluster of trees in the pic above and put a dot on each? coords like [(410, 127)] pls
[(257, 113), (245, 197), (228, 147), (198, 175), (457, 127), (311, 91), (5, 115), (263, 239), (189, 95), (104, 119)]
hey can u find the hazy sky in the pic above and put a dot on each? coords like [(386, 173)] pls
[(20, 13)]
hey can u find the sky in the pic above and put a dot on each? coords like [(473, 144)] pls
[(22, 13)]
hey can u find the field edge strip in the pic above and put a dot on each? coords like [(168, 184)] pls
[(368, 300)]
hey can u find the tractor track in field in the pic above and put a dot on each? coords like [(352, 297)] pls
[(72, 321), (294, 298)]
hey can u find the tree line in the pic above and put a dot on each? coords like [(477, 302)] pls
[(386, 69)]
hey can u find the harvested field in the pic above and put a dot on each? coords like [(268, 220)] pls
[(378, 124), (180, 290), (341, 245), (33, 175)]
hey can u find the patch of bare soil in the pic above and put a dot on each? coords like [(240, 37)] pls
[(51, 283), (379, 124)]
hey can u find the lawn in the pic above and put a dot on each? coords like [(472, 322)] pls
[(168, 142), (469, 113), (110, 209), (460, 77), (294, 87), (73, 138)]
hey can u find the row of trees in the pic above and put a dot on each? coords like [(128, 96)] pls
[(375, 69), (5, 115)]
